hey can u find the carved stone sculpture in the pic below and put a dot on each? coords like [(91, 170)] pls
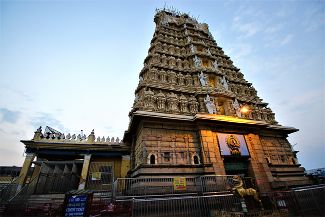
[(149, 99), (209, 102), (188, 79), (172, 102), (183, 103), (215, 64), (203, 79), (193, 105), (224, 83), (236, 106), (193, 50), (161, 99), (172, 77), (180, 78), (197, 62)]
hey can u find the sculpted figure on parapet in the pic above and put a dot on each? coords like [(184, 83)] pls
[(224, 83), (180, 78), (193, 105), (172, 102), (203, 79), (188, 80), (172, 77), (149, 99), (209, 102), (161, 99), (192, 48), (215, 64), (183, 103), (236, 106), (197, 62)]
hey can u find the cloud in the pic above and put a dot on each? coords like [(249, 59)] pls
[(314, 18), (248, 29), (286, 39), (9, 116)]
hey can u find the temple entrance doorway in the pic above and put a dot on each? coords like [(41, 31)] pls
[(236, 166)]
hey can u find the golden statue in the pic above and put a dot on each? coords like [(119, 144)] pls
[(239, 190)]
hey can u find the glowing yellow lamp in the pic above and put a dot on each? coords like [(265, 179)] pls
[(245, 109)]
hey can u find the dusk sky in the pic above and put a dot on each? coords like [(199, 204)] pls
[(74, 65)]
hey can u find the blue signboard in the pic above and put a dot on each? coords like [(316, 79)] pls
[(76, 205)]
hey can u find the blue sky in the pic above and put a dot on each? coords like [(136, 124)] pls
[(74, 65)]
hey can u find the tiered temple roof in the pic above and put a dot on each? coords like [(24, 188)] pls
[(186, 73)]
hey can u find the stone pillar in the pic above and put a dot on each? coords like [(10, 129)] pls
[(210, 151), (258, 164), (24, 170), (84, 172), (125, 165)]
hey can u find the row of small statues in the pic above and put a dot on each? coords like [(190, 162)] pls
[(171, 49), (179, 79), (79, 137), (171, 61), (183, 41), (179, 103), (170, 102), (172, 77), (108, 139)]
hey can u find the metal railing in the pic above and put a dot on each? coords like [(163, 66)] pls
[(9, 190), (149, 187), (144, 187), (189, 206)]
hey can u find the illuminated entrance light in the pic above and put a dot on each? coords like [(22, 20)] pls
[(245, 109)]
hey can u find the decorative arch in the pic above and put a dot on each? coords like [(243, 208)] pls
[(152, 159), (195, 159)]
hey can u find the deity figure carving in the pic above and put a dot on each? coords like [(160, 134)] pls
[(188, 80), (186, 64), (180, 78), (195, 80), (236, 106), (161, 99), (172, 102), (179, 63), (156, 58), (149, 99), (209, 103), (197, 62), (193, 105), (215, 64), (164, 59), (183, 103), (172, 61), (193, 50), (203, 79), (171, 49), (163, 76), (152, 75), (189, 39), (224, 83), (208, 51), (164, 21), (172, 77)]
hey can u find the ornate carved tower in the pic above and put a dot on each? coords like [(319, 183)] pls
[(195, 114)]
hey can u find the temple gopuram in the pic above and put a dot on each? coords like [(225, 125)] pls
[(199, 142), (195, 114)]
